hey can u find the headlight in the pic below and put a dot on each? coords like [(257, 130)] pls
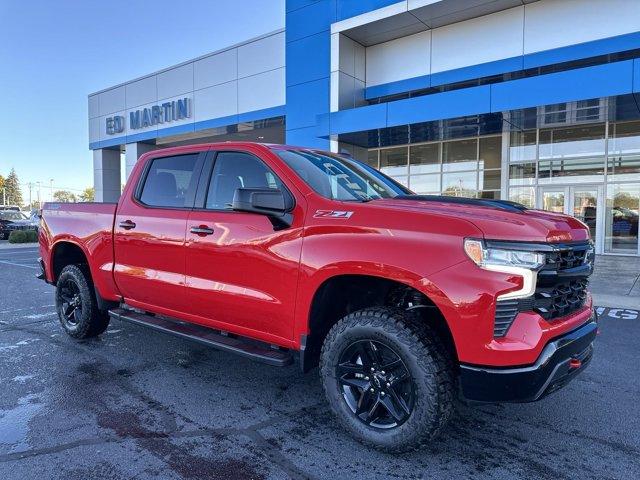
[(494, 256), (518, 262)]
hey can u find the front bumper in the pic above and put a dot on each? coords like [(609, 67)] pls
[(560, 361)]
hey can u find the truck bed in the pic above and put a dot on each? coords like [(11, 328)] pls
[(86, 225)]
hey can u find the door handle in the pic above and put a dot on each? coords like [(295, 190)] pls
[(202, 230), (127, 224)]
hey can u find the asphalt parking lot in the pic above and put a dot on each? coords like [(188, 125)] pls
[(139, 404)]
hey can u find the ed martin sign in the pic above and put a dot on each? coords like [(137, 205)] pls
[(150, 116)]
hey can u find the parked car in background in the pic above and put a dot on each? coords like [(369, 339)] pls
[(11, 220)]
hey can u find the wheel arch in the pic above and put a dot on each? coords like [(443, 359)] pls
[(69, 252), (341, 294)]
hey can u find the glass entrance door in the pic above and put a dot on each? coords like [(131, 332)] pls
[(583, 202), (623, 210)]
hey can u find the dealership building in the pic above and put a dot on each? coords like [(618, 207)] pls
[(536, 101)]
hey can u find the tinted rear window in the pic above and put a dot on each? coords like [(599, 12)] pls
[(170, 181)]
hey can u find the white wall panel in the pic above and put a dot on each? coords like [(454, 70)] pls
[(111, 100), (141, 91), (399, 59), (216, 69), (262, 55), (261, 91), (94, 129), (217, 101), (175, 81), (94, 106), (484, 39), (102, 126), (132, 131), (554, 23)]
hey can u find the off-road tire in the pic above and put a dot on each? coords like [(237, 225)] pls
[(426, 359), (90, 321)]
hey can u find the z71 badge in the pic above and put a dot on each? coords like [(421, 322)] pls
[(332, 214)]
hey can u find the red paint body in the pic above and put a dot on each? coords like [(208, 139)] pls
[(251, 280)]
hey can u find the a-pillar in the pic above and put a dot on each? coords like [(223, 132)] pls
[(106, 175)]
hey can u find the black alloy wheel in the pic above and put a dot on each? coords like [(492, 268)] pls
[(375, 384), (70, 302), (77, 305), (388, 378)]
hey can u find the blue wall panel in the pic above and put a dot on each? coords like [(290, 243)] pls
[(308, 59), (296, 4), (352, 8), (363, 118), (306, 101), (307, 137), (306, 21), (583, 83), (457, 103)]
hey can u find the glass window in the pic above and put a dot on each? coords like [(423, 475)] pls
[(583, 141), (393, 161), (233, 170), (624, 138), (522, 174), (460, 155), (624, 151), (490, 152), (556, 113), (489, 180), (623, 208), (460, 184), (425, 183), (524, 195), (489, 194), (341, 178), (575, 170), (372, 158), (424, 158), (170, 181), (522, 146)]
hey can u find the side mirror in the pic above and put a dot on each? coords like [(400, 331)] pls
[(274, 203)]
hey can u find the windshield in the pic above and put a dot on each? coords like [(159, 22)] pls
[(340, 178), (11, 215)]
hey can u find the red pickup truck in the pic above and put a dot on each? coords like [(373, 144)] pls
[(405, 302)]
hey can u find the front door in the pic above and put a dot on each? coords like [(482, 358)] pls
[(241, 271), (583, 202)]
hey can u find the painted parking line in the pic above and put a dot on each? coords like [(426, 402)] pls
[(618, 313), (4, 262)]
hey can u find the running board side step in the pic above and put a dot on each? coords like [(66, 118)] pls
[(212, 338)]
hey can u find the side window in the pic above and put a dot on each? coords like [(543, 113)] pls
[(233, 170), (169, 181)]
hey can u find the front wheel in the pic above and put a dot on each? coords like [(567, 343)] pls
[(76, 304), (387, 378)]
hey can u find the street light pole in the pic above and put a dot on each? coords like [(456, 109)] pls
[(39, 201), (51, 186)]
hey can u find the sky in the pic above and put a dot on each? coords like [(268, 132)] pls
[(54, 53)]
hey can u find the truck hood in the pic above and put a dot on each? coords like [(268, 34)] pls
[(497, 220)]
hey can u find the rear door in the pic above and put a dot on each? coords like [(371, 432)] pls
[(241, 271), (149, 233)]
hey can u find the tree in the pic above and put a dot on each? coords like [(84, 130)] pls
[(88, 194), (12, 189), (64, 196), (1, 183)]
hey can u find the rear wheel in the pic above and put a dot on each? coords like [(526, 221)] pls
[(387, 378), (76, 304)]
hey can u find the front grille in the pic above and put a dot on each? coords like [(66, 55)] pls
[(561, 299), (561, 287)]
